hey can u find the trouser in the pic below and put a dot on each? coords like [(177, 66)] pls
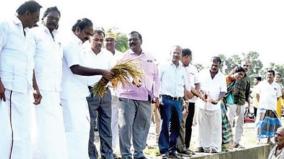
[(184, 138), (77, 126), (171, 121), (102, 105), (255, 111), (239, 111), (51, 139), (114, 124), (188, 124), (134, 123), (210, 129), (15, 126), (156, 119)]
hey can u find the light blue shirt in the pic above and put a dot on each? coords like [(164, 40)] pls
[(173, 80)]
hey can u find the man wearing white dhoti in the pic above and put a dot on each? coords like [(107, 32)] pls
[(51, 141), (213, 86), (16, 83), (75, 90)]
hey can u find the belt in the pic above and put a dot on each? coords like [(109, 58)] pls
[(172, 98)]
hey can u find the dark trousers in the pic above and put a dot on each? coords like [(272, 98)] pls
[(100, 106), (171, 118), (188, 124)]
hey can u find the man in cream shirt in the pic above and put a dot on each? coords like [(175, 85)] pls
[(51, 142)]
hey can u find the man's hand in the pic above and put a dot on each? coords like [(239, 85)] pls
[(137, 82), (212, 101), (37, 97), (2, 92), (107, 75), (156, 102), (188, 94)]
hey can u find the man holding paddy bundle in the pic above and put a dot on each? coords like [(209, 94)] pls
[(75, 90), (96, 57)]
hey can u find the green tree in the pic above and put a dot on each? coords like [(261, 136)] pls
[(231, 62), (121, 42), (121, 39), (199, 67)]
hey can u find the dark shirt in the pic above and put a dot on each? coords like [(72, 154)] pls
[(241, 91)]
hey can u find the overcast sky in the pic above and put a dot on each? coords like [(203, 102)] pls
[(207, 27)]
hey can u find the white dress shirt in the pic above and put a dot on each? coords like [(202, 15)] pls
[(16, 56), (212, 87), (268, 94), (102, 60), (48, 59), (173, 80), (192, 74), (72, 84)]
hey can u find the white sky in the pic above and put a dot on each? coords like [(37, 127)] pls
[(207, 27)]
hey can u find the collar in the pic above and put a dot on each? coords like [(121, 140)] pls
[(133, 53), (54, 32), (76, 39), (179, 64), (17, 21)]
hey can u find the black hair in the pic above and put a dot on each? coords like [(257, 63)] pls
[(240, 69), (258, 78), (217, 59), (136, 32), (28, 6), (271, 71), (50, 9), (82, 24), (100, 32), (186, 52)]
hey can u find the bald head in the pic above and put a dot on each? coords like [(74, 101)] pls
[(280, 130), (176, 54)]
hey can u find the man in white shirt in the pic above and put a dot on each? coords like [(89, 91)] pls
[(173, 85), (110, 40), (51, 141), (267, 94), (16, 83), (192, 74), (75, 90), (213, 86), (99, 58)]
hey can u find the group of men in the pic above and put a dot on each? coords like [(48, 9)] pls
[(60, 76)]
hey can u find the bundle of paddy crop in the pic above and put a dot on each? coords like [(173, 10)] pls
[(123, 72)]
